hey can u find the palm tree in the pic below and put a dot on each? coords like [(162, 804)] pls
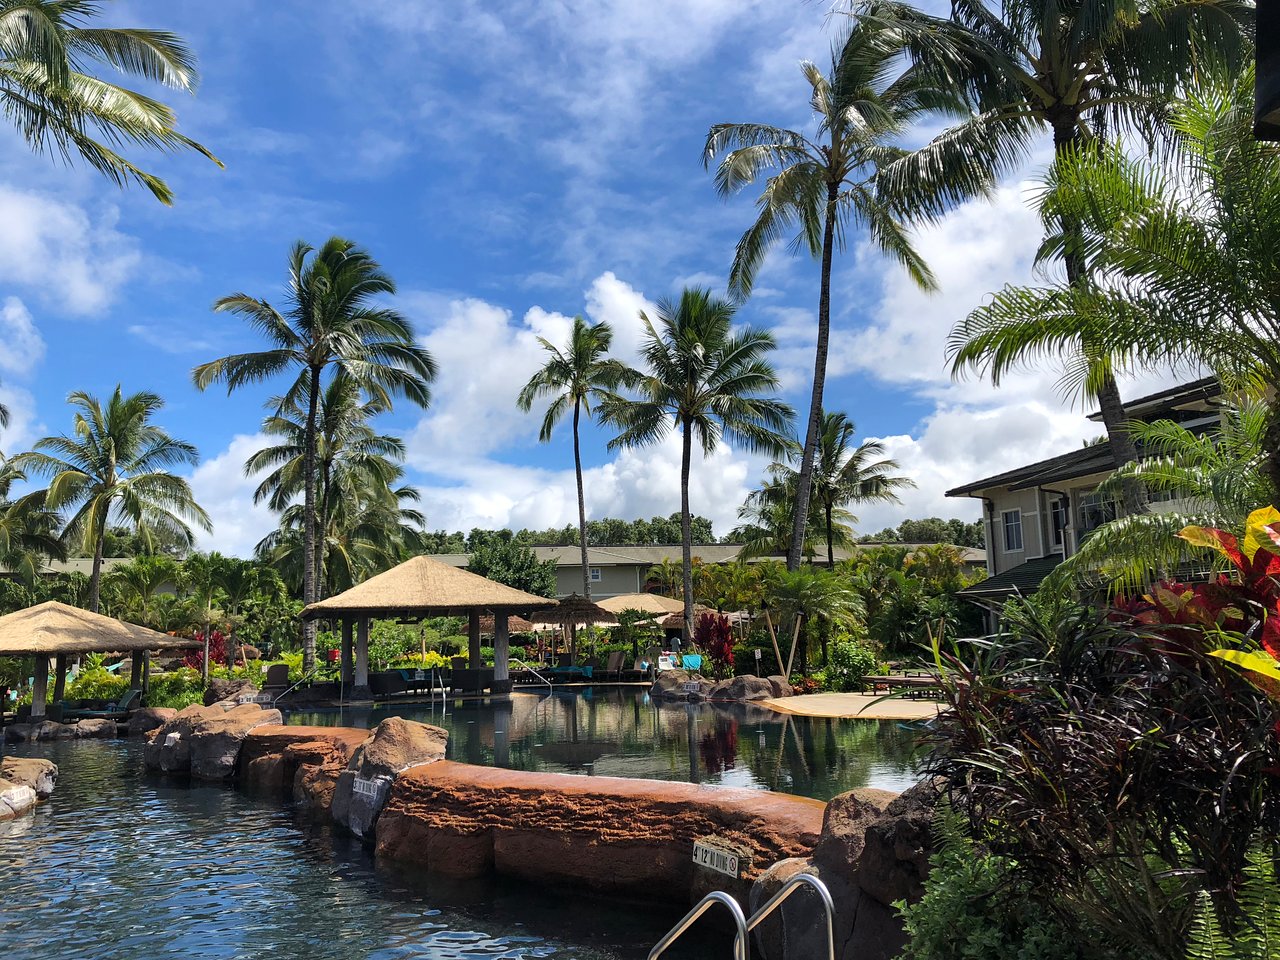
[(346, 447), (114, 468), (767, 515), (576, 376), (237, 582), (809, 594), (1072, 69), (853, 172), (28, 530), (333, 319), (134, 587), (199, 579), (701, 378), (59, 109)]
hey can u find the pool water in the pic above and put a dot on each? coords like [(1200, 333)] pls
[(123, 865), (622, 732)]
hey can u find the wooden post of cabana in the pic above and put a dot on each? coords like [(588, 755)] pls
[(56, 630), (348, 665), (425, 587)]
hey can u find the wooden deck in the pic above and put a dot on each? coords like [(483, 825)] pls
[(859, 706)]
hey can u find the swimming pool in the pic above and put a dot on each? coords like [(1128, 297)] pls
[(622, 732)]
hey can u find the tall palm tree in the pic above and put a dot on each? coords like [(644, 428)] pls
[(347, 447), (199, 580), (854, 172), (767, 515), (134, 586), (333, 319), (575, 377), (28, 530), (46, 47), (700, 378), (1073, 70), (237, 582), (115, 469)]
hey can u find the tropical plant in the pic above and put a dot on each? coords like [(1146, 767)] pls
[(114, 468), (132, 588), (855, 171), (810, 595), (701, 378), (238, 582), (349, 454), (576, 377), (199, 579), (1075, 70), (516, 566), (666, 578), (767, 514), (60, 109), (28, 530), (333, 319), (713, 634), (848, 662), (1255, 935)]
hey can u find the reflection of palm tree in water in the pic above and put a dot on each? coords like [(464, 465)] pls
[(719, 748)]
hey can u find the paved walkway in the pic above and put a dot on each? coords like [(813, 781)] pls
[(863, 706)]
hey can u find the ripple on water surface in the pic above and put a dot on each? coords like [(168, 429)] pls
[(119, 865)]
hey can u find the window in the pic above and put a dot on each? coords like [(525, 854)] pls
[(1012, 530), (595, 574), (1058, 512), (1095, 510)]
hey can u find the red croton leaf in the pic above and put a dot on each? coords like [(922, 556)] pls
[(1215, 539)]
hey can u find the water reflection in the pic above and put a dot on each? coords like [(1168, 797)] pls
[(619, 732)]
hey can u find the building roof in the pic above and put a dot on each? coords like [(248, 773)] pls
[(53, 627), (1024, 578), (424, 586), (82, 565), (1095, 458), (1162, 401), (648, 556)]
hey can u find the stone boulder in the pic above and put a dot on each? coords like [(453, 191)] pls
[(40, 775), (845, 824), (216, 740), (674, 685), (169, 747), (148, 718), (780, 685), (15, 799), (96, 727), (898, 844), (221, 691), (275, 760), (17, 733), (742, 689), (363, 787)]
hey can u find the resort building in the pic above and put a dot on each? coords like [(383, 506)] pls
[(1037, 515), (616, 571)]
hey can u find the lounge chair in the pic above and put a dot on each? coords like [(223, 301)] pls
[(642, 669), (613, 668), (277, 680), (119, 710)]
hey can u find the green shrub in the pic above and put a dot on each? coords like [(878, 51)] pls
[(850, 661), (96, 683), (973, 910), (432, 661), (177, 689)]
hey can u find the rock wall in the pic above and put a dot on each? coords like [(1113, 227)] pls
[(612, 835), (23, 782), (684, 685)]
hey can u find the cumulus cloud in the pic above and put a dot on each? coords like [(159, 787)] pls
[(220, 486), (21, 346), (68, 258)]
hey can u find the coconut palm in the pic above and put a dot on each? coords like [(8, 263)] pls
[(237, 582), (346, 446), (1032, 66), (767, 514), (333, 319), (46, 47), (28, 530), (575, 377), (811, 595), (115, 469), (134, 586), (199, 580), (854, 172), (700, 378)]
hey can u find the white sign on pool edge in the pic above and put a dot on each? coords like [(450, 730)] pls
[(713, 858), (366, 787), (692, 686)]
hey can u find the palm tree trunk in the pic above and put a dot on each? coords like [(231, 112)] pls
[(95, 578), (322, 516), (582, 506), (1271, 463), (309, 523), (686, 528), (804, 482), (831, 549), (1066, 137)]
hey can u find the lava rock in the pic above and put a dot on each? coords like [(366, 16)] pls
[(148, 718), (15, 799), (396, 745), (222, 691), (216, 740), (96, 727), (40, 775)]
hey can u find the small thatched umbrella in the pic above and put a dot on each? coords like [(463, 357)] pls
[(654, 603), (572, 612), (56, 629), (514, 624)]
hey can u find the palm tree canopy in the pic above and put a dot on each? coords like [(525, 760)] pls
[(47, 48), (579, 374), (333, 316), (115, 468), (702, 377), (856, 162)]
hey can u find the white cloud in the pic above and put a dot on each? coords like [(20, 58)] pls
[(221, 487), (21, 346), (68, 258)]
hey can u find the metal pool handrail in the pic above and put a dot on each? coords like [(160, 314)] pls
[(315, 672), (790, 887), (741, 950), (525, 666)]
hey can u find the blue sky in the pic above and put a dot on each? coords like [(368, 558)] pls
[(510, 166)]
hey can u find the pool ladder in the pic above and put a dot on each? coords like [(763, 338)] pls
[(743, 924)]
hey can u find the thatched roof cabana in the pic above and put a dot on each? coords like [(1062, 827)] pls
[(575, 610), (425, 587), (54, 628), (651, 603), (514, 625)]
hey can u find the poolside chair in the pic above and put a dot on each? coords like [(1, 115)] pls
[(613, 668), (642, 669), (277, 680), (120, 710)]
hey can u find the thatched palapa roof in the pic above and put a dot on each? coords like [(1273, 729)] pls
[(54, 628), (576, 610), (425, 587), (514, 625), (653, 603)]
